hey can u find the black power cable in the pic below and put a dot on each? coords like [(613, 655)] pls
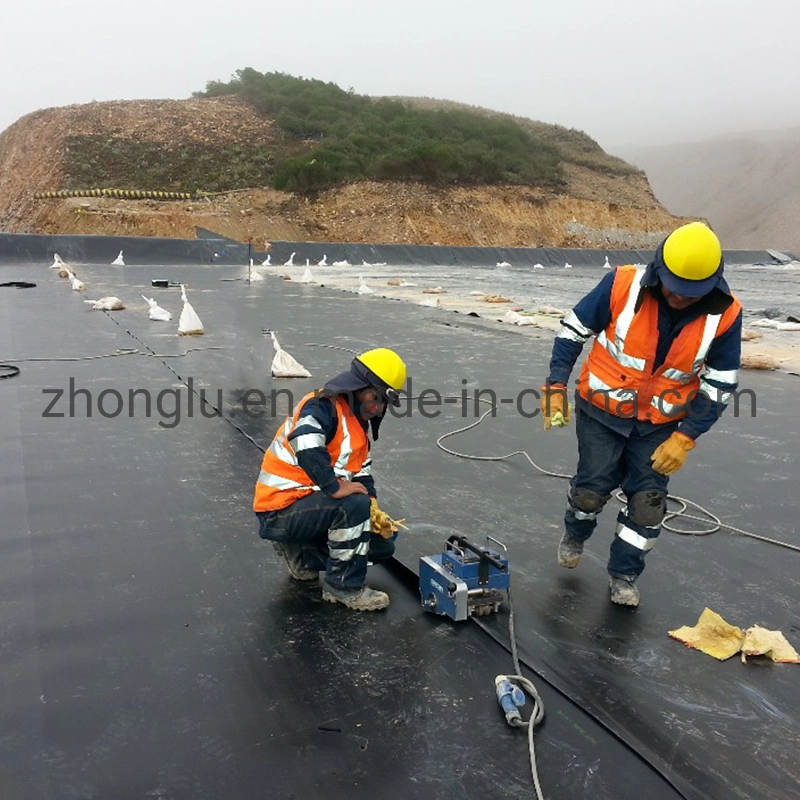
[(11, 370)]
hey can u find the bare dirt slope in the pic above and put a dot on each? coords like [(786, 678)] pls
[(747, 186), (594, 209)]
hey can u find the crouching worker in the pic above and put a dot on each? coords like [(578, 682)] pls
[(315, 497)]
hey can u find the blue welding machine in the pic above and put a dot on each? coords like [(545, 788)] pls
[(464, 580)]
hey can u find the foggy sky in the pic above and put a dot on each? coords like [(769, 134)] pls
[(627, 72)]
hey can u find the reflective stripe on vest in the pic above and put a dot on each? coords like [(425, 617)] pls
[(617, 376), (281, 480)]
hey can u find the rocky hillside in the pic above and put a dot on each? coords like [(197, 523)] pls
[(597, 206), (746, 185)]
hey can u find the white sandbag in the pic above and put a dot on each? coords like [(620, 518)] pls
[(606, 265), (307, 276), (344, 263), (266, 262), (434, 303), (189, 323), (253, 276), (157, 313), (106, 304), (788, 326), (77, 284), (552, 310), (776, 324), (57, 262), (362, 287), (284, 365), (290, 261), (502, 264), (537, 265), (323, 261), (518, 319), (118, 261)]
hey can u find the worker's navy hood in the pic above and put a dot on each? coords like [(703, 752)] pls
[(684, 287), (356, 378)]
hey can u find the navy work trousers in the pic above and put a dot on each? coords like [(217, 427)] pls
[(608, 460), (308, 521)]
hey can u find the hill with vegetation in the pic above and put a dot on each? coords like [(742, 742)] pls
[(292, 158)]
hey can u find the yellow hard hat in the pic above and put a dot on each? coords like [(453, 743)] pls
[(386, 365), (692, 256)]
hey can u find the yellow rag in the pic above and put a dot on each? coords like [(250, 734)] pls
[(715, 637), (712, 635), (762, 642)]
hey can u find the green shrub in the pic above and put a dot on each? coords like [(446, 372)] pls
[(356, 137), (331, 136)]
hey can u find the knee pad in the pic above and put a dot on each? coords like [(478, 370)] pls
[(647, 508), (586, 500)]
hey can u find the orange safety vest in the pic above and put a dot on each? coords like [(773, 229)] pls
[(617, 376), (282, 481)]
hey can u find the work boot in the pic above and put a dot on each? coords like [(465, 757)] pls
[(569, 552), (292, 555), (623, 591), (363, 599)]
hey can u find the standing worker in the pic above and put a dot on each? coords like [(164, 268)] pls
[(663, 365), (315, 496)]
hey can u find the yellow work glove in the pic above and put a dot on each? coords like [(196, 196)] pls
[(381, 523), (669, 456), (555, 406)]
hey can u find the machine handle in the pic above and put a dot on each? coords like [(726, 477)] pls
[(462, 542)]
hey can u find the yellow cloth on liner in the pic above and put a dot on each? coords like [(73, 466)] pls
[(762, 642), (712, 635)]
